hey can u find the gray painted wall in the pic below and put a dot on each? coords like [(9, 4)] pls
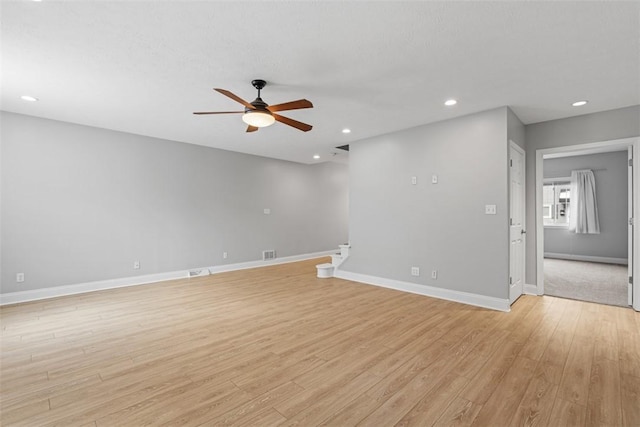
[(603, 126), (610, 170), (80, 204), (394, 225), (515, 129)]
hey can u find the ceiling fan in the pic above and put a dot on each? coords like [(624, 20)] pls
[(259, 114)]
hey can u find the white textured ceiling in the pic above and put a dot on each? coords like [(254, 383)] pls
[(375, 67)]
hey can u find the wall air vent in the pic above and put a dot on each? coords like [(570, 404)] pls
[(267, 255), (343, 147)]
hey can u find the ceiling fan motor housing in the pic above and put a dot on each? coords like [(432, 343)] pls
[(259, 105)]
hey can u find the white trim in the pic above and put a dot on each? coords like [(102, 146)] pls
[(261, 263), (590, 148), (587, 258), (81, 288), (529, 289), (635, 262), (630, 228), (429, 291), (561, 179), (560, 226), (580, 149), (539, 223)]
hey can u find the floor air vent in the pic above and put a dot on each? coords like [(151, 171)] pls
[(267, 255)]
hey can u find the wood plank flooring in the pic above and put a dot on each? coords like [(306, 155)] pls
[(277, 346)]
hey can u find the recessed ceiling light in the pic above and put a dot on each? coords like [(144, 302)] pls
[(345, 130), (316, 156), (28, 98), (450, 102), (579, 103)]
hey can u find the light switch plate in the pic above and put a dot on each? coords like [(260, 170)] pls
[(490, 209), (434, 179)]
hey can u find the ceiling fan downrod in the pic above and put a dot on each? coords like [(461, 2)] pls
[(258, 84)]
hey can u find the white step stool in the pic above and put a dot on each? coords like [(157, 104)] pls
[(325, 270)]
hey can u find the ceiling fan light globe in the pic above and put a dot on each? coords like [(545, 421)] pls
[(258, 119)]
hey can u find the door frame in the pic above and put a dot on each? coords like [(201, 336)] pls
[(516, 147), (590, 148)]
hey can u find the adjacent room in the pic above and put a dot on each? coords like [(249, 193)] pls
[(319, 213), (587, 261)]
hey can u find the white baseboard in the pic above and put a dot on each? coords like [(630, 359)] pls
[(530, 289), (429, 291), (80, 288), (606, 260), (261, 263)]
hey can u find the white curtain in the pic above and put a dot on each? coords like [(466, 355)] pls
[(584, 209)]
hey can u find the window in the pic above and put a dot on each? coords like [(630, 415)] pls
[(555, 203)]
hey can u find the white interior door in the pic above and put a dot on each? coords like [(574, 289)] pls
[(631, 225), (516, 221)]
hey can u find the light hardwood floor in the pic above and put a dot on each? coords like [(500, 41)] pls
[(277, 346)]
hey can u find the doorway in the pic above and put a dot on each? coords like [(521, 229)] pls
[(590, 266)]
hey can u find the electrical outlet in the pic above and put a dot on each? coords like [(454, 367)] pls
[(414, 180), (267, 211), (20, 277), (415, 271), (224, 255), (136, 265), (490, 209), (434, 274)]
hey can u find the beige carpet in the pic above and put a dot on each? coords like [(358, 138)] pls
[(586, 281)]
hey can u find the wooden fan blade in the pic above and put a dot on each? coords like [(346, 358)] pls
[(293, 105), (252, 128), (294, 123), (218, 112), (235, 98)]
